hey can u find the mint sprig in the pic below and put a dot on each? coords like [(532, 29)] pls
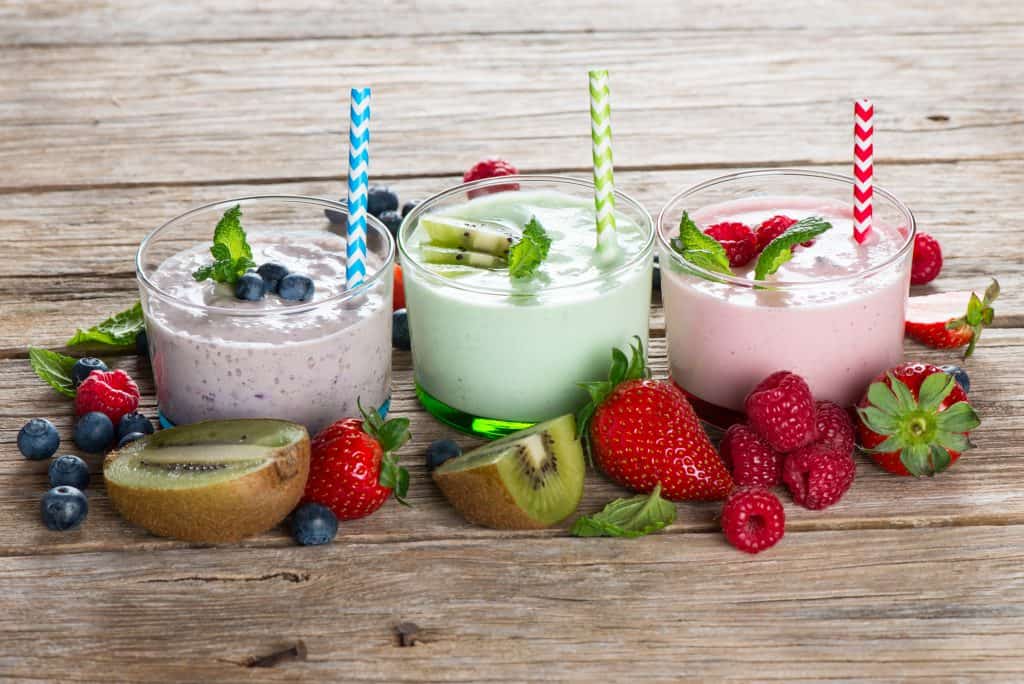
[(391, 435), (632, 517), (699, 249), (231, 252), (54, 368), (780, 250), (120, 330), (532, 249)]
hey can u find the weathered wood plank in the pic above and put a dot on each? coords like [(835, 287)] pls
[(274, 111), (137, 21), (880, 605), (982, 489)]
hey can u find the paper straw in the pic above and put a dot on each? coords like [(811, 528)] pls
[(604, 181), (358, 179), (863, 168)]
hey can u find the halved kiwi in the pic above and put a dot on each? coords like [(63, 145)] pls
[(217, 481), (433, 254), (529, 480), (478, 236)]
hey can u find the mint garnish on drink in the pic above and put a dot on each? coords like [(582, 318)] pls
[(231, 252), (526, 255), (780, 250), (120, 330), (699, 249), (632, 517)]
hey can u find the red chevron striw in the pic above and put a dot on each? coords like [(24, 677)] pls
[(864, 154), (863, 175), (864, 195), (862, 133), (863, 109), (862, 216)]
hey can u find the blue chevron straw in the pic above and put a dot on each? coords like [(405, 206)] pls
[(358, 179)]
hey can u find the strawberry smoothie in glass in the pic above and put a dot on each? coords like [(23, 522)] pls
[(834, 313)]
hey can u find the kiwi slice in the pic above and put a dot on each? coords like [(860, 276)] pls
[(217, 481), (529, 480), (433, 254), (478, 236)]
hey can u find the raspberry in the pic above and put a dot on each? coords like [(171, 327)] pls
[(835, 428), (927, 259), (751, 461), (773, 228), (490, 167), (738, 241), (817, 476), (112, 393), (781, 410), (753, 519)]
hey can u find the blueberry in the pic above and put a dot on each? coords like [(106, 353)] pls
[(409, 206), (400, 330), (94, 432), (38, 439), (440, 451), (250, 287), (129, 438), (142, 344), (314, 524), (63, 508), (392, 219), (134, 422), (69, 471), (272, 274), (960, 375), (296, 288), (83, 367), (380, 198), (337, 217)]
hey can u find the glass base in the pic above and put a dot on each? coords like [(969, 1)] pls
[(166, 424), (490, 428)]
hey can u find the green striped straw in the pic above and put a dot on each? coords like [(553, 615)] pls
[(604, 177)]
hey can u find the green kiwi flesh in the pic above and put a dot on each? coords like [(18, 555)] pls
[(432, 254), (477, 236)]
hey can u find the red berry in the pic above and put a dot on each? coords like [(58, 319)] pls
[(738, 241), (927, 259), (771, 229), (112, 393), (835, 427), (753, 519), (817, 476), (781, 410), (491, 167), (750, 459), (398, 294)]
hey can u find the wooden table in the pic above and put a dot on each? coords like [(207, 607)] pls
[(115, 116)]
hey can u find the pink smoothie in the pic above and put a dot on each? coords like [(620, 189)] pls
[(829, 319)]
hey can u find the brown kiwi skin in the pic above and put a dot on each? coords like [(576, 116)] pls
[(225, 512), (481, 497)]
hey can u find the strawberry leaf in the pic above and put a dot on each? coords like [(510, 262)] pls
[(954, 441), (934, 390), (877, 421), (903, 394), (960, 417), (619, 372), (882, 398)]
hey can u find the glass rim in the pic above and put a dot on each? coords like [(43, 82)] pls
[(344, 295), (413, 217), (673, 204)]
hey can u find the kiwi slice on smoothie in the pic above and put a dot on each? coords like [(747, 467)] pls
[(529, 480), (476, 236), (433, 254), (217, 481)]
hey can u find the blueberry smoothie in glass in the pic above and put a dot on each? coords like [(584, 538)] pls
[(281, 337)]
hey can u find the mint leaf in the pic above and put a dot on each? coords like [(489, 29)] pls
[(527, 254), (120, 330), (231, 252), (54, 368), (632, 517), (780, 250), (699, 249)]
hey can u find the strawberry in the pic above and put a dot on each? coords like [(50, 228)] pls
[(490, 167), (352, 469), (642, 432), (738, 241), (753, 519), (398, 294), (915, 420), (927, 260), (749, 458), (112, 393), (781, 410), (834, 427), (817, 476), (934, 320)]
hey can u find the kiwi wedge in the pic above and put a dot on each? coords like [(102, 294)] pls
[(211, 482), (433, 254), (529, 480), (477, 236)]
